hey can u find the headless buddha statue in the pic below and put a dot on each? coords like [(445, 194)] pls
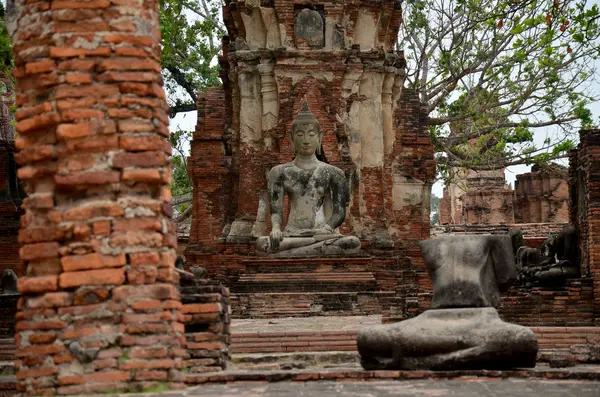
[(318, 194), (462, 330)]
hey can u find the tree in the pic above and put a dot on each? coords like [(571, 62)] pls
[(191, 39), (6, 57), (191, 35), (497, 70), (182, 183)]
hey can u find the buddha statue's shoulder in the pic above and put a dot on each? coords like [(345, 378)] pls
[(279, 170), (332, 171)]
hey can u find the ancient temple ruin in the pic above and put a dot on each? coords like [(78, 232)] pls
[(341, 59), (477, 197), (100, 307), (484, 197)]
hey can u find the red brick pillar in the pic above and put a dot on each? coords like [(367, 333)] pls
[(99, 309)]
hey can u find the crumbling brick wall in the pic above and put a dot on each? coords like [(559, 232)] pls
[(584, 208), (99, 310), (207, 325)]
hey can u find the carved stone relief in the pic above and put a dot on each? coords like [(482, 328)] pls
[(309, 29)]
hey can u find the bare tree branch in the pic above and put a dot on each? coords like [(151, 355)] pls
[(184, 215), (186, 198), (181, 79)]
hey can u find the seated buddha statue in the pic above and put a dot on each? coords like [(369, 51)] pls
[(317, 193)]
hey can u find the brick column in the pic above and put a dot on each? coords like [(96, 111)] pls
[(99, 309)]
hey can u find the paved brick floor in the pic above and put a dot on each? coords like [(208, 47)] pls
[(505, 388), (459, 388)]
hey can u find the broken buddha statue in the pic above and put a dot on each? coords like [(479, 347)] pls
[(317, 193), (462, 330)]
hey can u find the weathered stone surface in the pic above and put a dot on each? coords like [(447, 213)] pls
[(462, 331), (557, 259), (309, 28)]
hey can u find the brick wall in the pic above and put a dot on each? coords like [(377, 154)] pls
[(99, 310), (584, 210), (476, 197), (207, 325), (488, 207), (540, 196)]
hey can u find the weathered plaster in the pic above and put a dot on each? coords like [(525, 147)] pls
[(365, 29), (371, 119), (273, 35), (256, 34)]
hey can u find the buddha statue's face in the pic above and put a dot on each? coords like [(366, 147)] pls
[(306, 138)]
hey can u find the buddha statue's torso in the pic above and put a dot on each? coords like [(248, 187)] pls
[(309, 195)]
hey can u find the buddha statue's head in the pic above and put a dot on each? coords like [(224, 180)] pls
[(306, 134)]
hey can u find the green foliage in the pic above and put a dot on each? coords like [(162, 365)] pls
[(191, 37), (6, 58), (182, 183), (493, 72)]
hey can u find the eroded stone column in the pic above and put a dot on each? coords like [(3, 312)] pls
[(270, 116), (251, 182), (99, 309), (372, 153)]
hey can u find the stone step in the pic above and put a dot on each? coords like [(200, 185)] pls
[(7, 349), (305, 282), (308, 265), (577, 340), (293, 361), (293, 341), (337, 374), (305, 304)]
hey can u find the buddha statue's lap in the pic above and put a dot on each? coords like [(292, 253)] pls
[(317, 194)]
